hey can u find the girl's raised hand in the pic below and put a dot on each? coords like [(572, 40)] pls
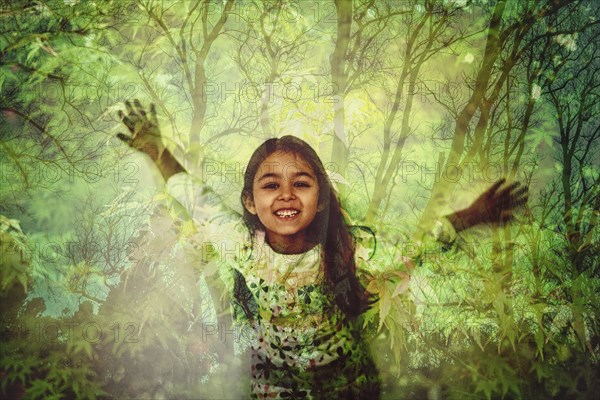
[(146, 138), (145, 134), (494, 206), (497, 206)]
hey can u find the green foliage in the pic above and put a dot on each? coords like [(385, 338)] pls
[(15, 264), (86, 243), (486, 330)]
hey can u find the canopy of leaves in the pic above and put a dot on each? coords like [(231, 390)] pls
[(440, 98)]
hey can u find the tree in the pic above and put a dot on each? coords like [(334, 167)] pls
[(183, 38), (573, 95), (505, 43), (270, 54), (428, 32), (356, 53)]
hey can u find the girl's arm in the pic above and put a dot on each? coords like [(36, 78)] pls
[(146, 138), (493, 206), (190, 199), (201, 218)]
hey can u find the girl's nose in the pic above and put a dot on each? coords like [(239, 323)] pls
[(287, 193)]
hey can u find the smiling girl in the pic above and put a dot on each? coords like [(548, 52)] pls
[(281, 195), (301, 289)]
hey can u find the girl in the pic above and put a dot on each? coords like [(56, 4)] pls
[(301, 290)]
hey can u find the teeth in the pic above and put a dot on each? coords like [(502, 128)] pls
[(286, 213)]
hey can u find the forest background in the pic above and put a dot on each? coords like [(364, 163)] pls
[(414, 106)]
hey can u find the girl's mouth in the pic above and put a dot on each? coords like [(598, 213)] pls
[(286, 213)]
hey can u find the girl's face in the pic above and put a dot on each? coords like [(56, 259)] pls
[(285, 199)]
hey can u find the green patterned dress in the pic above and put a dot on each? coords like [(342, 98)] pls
[(302, 345)]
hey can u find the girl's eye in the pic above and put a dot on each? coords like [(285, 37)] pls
[(271, 185), (301, 184)]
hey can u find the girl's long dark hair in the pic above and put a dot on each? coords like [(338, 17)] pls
[(329, 225)]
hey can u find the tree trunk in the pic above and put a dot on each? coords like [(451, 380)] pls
[(492, 51), (339, 75)]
